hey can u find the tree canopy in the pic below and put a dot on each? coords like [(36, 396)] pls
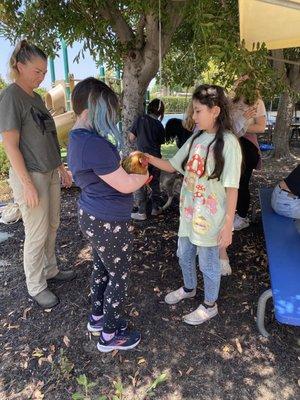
[(199, 38)]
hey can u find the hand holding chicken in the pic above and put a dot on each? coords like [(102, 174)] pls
[(135, 163)]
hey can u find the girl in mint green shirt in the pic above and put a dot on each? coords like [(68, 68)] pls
[(211, 164)]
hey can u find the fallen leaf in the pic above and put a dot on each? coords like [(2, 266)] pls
[(52, 348), (141, 361), (114, 353), (24, 364), (37, 395), (226, 349), (41, 360), (66, 341), (134, 313), (238, 346), (13, 327), (37, 353), (189, 371), (25, 312)]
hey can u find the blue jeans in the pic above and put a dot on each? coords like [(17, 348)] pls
[(209, 264), (286, 204)]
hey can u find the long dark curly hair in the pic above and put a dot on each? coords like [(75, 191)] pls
[(210, 96)]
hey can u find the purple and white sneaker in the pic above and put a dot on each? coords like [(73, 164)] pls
[(97, 326), (123, 340)]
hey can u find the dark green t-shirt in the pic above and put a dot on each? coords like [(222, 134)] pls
[(30, 117)]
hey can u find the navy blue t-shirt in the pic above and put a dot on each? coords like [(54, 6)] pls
[(150, 134), (90, 155)]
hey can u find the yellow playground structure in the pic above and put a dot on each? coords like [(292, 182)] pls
[(57, 99), (56, 103)]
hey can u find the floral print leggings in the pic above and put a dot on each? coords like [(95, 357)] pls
[(112, 247)]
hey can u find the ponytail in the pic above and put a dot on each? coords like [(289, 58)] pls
[(23, 53)]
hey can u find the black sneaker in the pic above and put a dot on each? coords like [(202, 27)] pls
[(124, 340), (97, 326)]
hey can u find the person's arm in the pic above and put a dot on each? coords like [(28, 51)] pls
[(259, 125), (160, 163), (11, 141), (225, 234), (242, 122), (65, 176), (123, 182)]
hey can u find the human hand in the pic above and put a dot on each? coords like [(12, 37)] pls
[(240, 80), (225, 236), (148, 180), (149, 157), (30, 195), (65, 176), (250, 113)]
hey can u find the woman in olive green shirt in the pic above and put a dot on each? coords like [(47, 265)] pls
[(30, 142)]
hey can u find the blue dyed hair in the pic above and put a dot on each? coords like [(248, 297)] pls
[(103, 109), (103, 105)]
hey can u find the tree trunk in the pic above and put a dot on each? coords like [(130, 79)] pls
[(141, 63), (282, 126), (132, 97), (137, 75)]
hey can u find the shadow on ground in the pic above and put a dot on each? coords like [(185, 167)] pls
[(43, 353)]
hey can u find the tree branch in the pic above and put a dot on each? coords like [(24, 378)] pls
[(175, 15), (278, 65), (117, 22), (140, 35)]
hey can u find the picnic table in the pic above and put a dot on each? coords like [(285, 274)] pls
[(282, 238)]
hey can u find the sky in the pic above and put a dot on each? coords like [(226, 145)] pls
[(85, 68)]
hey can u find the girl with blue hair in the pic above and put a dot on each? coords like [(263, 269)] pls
[(104, 208)]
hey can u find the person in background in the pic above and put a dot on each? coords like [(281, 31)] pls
[(30, 142), (149, 134), (248, 114), (286, 195), (104, 208), (180, 130)]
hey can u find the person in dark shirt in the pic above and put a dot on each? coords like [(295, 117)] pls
[(181, 130), (175, 130), (286, 195), (149, 134), (104, 208)]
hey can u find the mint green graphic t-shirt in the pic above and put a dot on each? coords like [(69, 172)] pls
[(203, 200)]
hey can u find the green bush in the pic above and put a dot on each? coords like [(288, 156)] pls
[(175, 104), (4, 164)]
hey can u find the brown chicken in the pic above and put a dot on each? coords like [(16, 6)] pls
[(135, 163)]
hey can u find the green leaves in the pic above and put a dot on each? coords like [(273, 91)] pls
[(83, 381), (158, 381)]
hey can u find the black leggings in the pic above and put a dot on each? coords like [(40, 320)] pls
[(250, 161), (112, 247), (141, 197)]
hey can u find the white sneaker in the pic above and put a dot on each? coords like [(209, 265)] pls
[(139, 216), (225, 267), (200, 315), (240, 223), (177, 295)]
